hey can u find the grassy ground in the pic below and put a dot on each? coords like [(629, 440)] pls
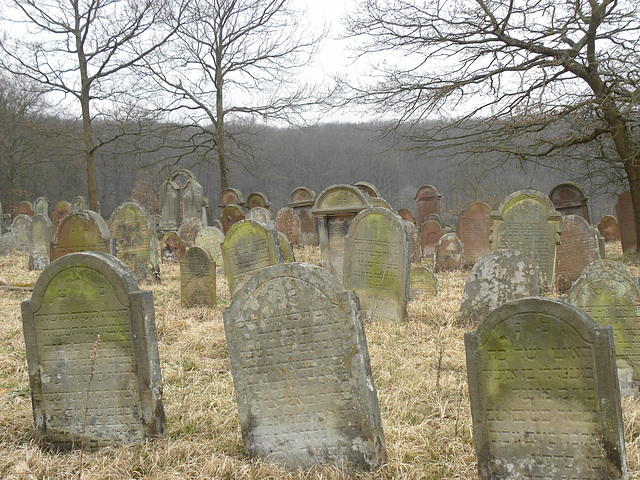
[(419, 370)]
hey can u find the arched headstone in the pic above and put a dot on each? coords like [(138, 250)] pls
[(260, 214), (449, 253), (569, 198), (173, 247), (189, 230), (257, 199), (474, 230), (368, 188), (41, 205), (428, 201), (210, 239), (422, 281), (25, 208), (20, 227), (578, 248), (302, 201), (81, 231), (288, 223), (430, 233), (61, 210), (608, 227), (230, 195), (79, 203), (40, 237), (197, 278)]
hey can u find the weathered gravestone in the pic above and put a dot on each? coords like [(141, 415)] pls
[(302, 200), (41, 205), (170, 215), (428, 201), (288, 223), (257, 199), (40, 237), (248, 247), (611, 297), (210, 239), (181, 198), (414, 240), (92, 354), (526, 221), (578, 249), (544, 394), (189, 230), (25, 208), (230, 215), (260, 214), (626, 222), (407, 215), (286, 248), (20, 227), (230, 195), (61, 210), (422, 281), (497, 278), (134, 231), (8, 243), (608, 227), (474, 230), (301, 371), (173, 248), (430, 233), (197, 278), (449, 253), (79, 203), (368, 188), (81, 231), (433, 217), (569, 199)]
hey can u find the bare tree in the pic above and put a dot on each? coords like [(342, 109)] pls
[(526, 80)]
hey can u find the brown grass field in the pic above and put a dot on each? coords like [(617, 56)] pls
[(418, 366)]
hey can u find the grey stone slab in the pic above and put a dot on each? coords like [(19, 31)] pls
[(40, 237), (197, 278), (210, 238)]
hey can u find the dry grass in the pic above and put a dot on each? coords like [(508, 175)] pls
[(419, 370)]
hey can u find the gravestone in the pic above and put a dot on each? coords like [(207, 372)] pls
[(611, 297), (301, 371), (377, 263), (433, 217), (41, 205), (79, 203), (526, 221), (20, 227), (544, 394), (170, 215), (414, 240), (608, 227), (230, 195), (497, 278), (408, 215), (368, 188), (180, 200), (81, 231), (197, 278), (626, 222), (248, 247), (422, 281), (430, 234), (286, 248), (210, 239), (578, 249), (260, 214), (569, 199), (230, 215), (193, 201), (134, 231), (25, 208), (8, 243), (334, 210), (288, 223), (428, 201), (61, 210), (189, 230), (92, 352), (302, 200), (474, 230), (173, 247), (40, 237), (449, 253), (257, 199)]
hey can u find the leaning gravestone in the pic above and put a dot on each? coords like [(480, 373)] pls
[(301, 371), (544, 394), (40, 237), (449, 253), (189, 230), (210, 239), (377, 262), (526, 221), (134, 231), (608, 227), (248, 247), (430, 233), (626, 222), (578, 249), (92, 353), (197, 278), (81, 231), (302, 200), (173, 248), (474, 230), (61, 210), (231, 214), (20, 227), (422, 281), (497, 278), (286, 248), (288, 223)]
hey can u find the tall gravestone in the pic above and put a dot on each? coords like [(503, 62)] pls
[(544, 394), (626, 222), (474, 230), (81, 231), (197, 278), (449, 253), (257, 199), (41, 205), (61, 210), (248, 247), (20, 227), (134, 231), (288, 223), (526, 221), (428, 202), (210, 239), (301, 371), (180, 200), (92, 353), (40, 237), (230, 215), (377, 263), (302, 200), (578, 249), (422, 281), (608, 227), (430, 233), (569, 198)]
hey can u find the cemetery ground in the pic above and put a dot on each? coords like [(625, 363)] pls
[(418, 366)]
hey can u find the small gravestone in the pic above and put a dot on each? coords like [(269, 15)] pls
[(134, 231), (377, 263), (497, 278), (288, 223), (430, 234), (414, 240), (41, 206), (173, 247), (40, 237), (20, 227), (231, 214), (608, 227), (92, 353), (302, 201), (61, 210), (79, 203), (8, 243), (257, 199), (428, 201), (449, 253), (210, 239), (544, 394), (526, 221), (25, 208), (422, 281), (301, 371), (569, 199), (260, 214), (189, 230), (81, 231), (474, 230), (286, 248), (578, 249), (230, 195), (248, 247), (626, 222), (197, 278)]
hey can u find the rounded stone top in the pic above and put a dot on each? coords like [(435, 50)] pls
[(86, 217), (257, 199), (427, 191), (529, 194), (341, 198), (302, 196), (230, 195), (181, 171), (369, 188), (567, 192)]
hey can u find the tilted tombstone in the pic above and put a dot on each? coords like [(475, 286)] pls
[(497, 278), (334, 210), (408, 215), (81, 231), (41, 205), (20, 227), (428, 201), (569, 199), (368, 188), (257, 199), (608, 227), (286, 248), (8, 243), (40, 237), (92, 353), (302, 200), (173, 247), (526, 221), (474, 230), (611, 297), (248, 247), (231, 214), (626, 222), (422, 281), (25, 208), (169, 207), (544, 394), (414, 240), (579, 248), (79, 203), (377, 261), (210, 239), (134, 231), (230, 195), (61, 210), (449, 253), (197, 278), (288, 223), (260, 214), (301, 371), (430, 233), (189, 230)]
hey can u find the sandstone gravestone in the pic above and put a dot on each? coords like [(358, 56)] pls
[(449, 253), (260, 214), (497, 278), (377, 264), (25, 208), (414, 240), (526, 221), (230, 195), (134, 231), (173, 248), (608, 227), (81, 231), (20, 227), (430, 234), (79, 203), (474, 230), (611, 297), (368, 188), (197, 278), (301, 371), (428, 201), (189, 230), (422, 281), (257, 199), (61, 210), (569, 199), (40, 237), (210, 239), (578, 249), (302, 201), (544, 394), (288, 223), (434, 217), (248, 247), (41, 205), (286, 248), (92, 354), (407, 215), (626, 222), (230, 215)]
